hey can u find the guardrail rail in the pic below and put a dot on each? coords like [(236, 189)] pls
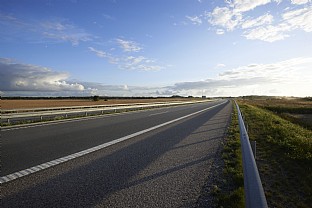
[(254, 194), (39, 114)]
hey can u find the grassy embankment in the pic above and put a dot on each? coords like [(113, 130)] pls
[(284, 151), (297, 111), (230, 191)]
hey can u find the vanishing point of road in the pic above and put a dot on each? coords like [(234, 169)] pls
[(167, 166)]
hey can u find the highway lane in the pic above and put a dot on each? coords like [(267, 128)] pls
[(26, 147), (167, 167)]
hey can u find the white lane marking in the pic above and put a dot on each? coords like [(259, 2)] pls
[(49, 123), (154, 114), (52, 163)]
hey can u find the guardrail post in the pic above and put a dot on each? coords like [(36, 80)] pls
[(254, 193), (8, 121), (254, 148)]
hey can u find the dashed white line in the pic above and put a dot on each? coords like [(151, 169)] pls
[(154, 114)]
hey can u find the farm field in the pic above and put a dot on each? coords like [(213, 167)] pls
[(284, 149), (295, 110), (7, 104)]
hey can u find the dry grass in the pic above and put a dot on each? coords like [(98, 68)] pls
[(45, 103), (283, 105), (297, 111)]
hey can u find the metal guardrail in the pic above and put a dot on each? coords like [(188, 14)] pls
[(254, 194), (16, 115), (23, 110)]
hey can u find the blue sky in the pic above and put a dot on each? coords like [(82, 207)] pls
[(155, 47)]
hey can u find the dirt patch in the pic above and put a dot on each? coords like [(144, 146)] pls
[(304, 117), (46, 103)]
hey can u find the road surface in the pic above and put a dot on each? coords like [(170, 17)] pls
[(164, 167)]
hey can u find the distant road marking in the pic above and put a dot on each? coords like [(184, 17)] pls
[(154, 114), (28, 171)]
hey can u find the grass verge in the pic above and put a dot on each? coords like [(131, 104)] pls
[(230, 191), (284, 157)]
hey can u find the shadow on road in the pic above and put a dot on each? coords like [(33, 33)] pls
[(90, 184)]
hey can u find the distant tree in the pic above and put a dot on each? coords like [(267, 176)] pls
[(96, 98)]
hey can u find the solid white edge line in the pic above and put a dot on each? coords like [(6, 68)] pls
[(28, 171)]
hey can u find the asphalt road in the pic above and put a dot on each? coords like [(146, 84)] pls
[(166, 167)]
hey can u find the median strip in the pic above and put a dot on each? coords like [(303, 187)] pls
[(19, 174)]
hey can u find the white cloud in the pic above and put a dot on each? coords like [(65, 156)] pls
[(285, 78), (195, 20), (25, 77), (301, 18), (247, 5), (267, 33), (103, 54), (62, 31), (128, 46), (224, 17), (220, 32), (262, 20), (299, 2), (220, 65), (140, 63), (233, 16), (99, 53), (291, 20)]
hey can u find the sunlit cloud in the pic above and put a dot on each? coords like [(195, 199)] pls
[(262, 20), (128, 46), (224, 17), (246, 5), (220, 65), (26, 77), (267, 27), (291, 20), (299, 2), (280, 78)]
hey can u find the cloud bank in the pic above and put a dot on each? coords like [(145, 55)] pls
[(25, 77), (290, 77)]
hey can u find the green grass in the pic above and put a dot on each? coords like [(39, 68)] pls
[(288, 109), (230, 192), (284, 157)]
